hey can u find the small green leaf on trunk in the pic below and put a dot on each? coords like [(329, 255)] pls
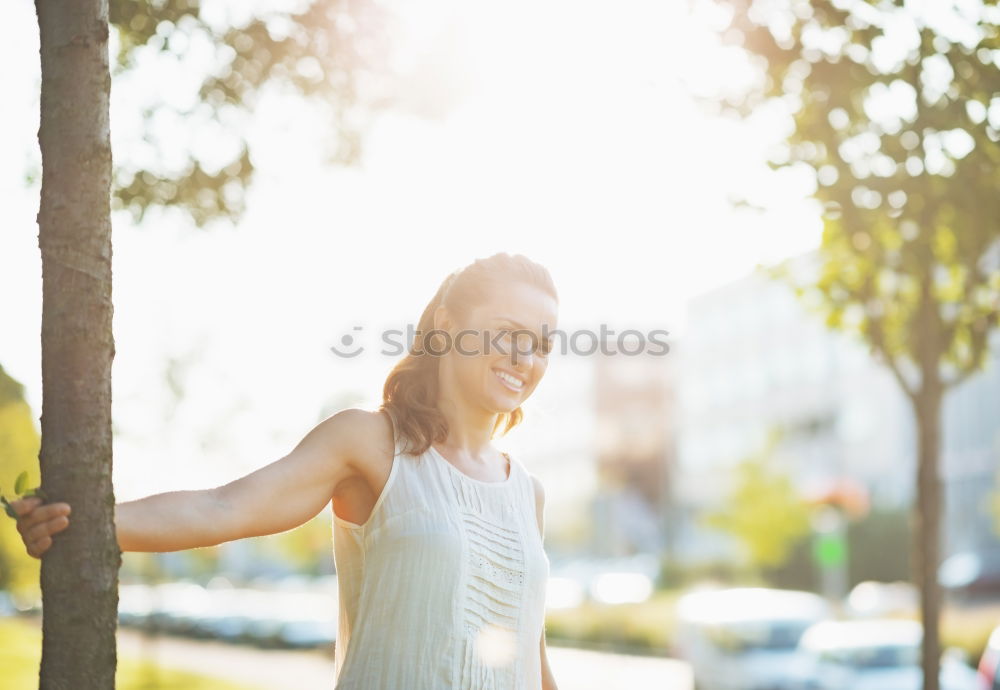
[(21, 483)]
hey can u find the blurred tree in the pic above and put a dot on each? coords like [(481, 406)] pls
[(894, 110), (305, 548), (762, 510), (326, 51), (318, 51), (79, 572), (19, 443)]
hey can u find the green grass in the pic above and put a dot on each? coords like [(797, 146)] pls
[(21, 654), (965, 627), (969, 629), (641, 628)]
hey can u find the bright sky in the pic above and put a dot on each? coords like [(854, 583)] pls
[(571, 138)]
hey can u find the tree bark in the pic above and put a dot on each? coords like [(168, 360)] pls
[(927, 538), (927, 403), (79, 573)]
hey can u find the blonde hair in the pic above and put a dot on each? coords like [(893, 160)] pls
[(411, 389)]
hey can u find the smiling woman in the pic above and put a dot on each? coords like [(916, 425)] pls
[(441, 565)]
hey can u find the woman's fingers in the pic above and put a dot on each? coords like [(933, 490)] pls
[(33, 512), (36, 549), (36, 523), (25, 509), (43, 529), (39, 538), (24, 506)]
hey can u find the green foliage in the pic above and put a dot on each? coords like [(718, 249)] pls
[(905, 150), (20, 488), (763, 511), (19, 446), (21, 483), (328, 52)]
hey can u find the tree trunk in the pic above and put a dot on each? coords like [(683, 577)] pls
[(927, 539), (79, 575), (927, 513)]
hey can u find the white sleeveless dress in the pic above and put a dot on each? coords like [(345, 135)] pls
[(443, 586)]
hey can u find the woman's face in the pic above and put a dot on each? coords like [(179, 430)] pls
[(498, 354)]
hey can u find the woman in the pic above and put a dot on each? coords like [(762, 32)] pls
[(437, 535)]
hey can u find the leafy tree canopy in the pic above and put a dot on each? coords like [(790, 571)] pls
[(896, 115), (329, 52)]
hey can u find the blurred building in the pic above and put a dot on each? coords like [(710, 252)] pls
[(556, 442), (634, 404), (971, 458), (597, 434), (753, 359)]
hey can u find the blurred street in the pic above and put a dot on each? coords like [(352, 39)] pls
[(587, 670), (574, 669)]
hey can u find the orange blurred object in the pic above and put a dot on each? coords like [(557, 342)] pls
[(844, 493)]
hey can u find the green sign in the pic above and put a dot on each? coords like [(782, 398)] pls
[(830, 550)]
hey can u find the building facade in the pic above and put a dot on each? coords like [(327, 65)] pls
[(753, 359)]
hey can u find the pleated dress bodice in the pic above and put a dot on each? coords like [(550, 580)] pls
[(443, 586)]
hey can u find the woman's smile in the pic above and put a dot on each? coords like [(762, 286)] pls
[(509, 380)]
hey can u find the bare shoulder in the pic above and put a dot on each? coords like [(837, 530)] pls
[(366, 437), (343, 450)]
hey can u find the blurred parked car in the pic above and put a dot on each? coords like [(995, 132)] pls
[(989, 665), (308, 631), (135, 602), (744, 638), (564, 593), (869, 655), (280, 617), (969, 575), (629, 579), (870, 599)]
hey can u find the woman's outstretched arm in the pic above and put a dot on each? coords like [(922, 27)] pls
[(171, 521), (291, 491), (275, 498)]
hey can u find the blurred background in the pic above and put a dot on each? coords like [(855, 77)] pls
[(802, 194)]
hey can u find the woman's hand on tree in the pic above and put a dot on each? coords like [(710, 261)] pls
[(37, 522)]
